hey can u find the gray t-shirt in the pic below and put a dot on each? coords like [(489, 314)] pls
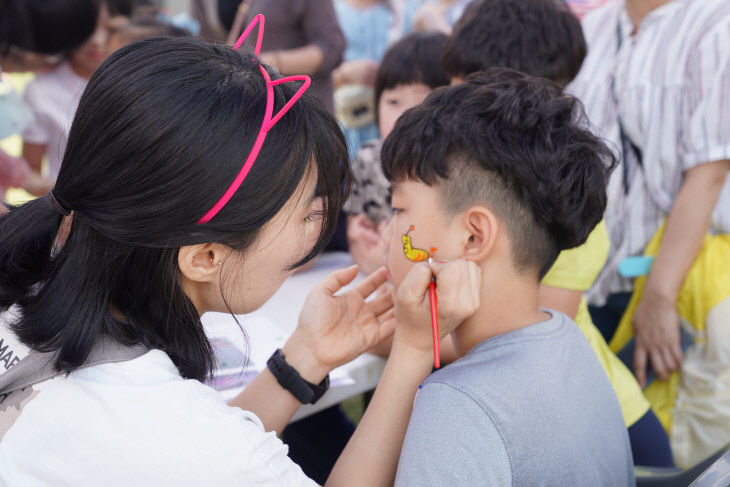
[(526, 408)]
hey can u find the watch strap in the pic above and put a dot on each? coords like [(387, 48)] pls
[(305, 392)]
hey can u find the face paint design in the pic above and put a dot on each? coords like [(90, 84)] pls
[(414, 255)]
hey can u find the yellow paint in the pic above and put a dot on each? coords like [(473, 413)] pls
[(413, 254)]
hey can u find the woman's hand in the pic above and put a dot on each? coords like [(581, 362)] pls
[(333, 330), (656, 327), (458, 286), (360, 71)]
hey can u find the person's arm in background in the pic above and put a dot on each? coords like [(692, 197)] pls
[(656, 321), (33, 154), (325, 43)]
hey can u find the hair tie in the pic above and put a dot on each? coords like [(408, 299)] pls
[(58, 204)]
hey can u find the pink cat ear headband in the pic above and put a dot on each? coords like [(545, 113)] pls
[(269, 118)]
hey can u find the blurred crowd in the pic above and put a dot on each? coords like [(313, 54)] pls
[(650, 288)]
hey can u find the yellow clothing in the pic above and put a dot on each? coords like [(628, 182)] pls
[(694, 404), (576, 269)]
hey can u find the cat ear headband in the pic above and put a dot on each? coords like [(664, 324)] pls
[(269, 118)]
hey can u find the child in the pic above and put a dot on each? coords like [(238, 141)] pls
[(370, 27), (54, 96), (512, 34), (498, 170), (164, 229), (407, 74)]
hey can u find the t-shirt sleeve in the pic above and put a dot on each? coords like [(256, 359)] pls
[(451, 440), (577, 268), (37, 131), (704, 136)]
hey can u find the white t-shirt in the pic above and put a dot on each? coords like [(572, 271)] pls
[(138, 423), (53, 98)]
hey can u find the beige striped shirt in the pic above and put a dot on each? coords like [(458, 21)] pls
[(669, 86)]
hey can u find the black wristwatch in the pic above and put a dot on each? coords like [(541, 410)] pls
[(289, 379)]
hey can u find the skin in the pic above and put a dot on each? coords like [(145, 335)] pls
[(508, 297), (334, 328), (302, 60)]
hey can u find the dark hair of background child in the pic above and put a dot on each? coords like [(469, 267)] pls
[(515, 143), (46, 26), (160, 133), (413, 59), (538, 37)]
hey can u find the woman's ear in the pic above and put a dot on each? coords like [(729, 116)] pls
[(201, 263), (482, 227)]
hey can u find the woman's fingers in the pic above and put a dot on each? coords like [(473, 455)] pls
[(371, 283), (382, 303), (338, 279)]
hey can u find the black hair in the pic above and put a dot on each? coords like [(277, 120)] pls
[(121, 7), (161, 131), (515, 143), (46, 26), (538, 37), (413, 59)]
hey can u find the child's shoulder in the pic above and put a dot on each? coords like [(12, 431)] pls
[(47, 85), (533, 354)]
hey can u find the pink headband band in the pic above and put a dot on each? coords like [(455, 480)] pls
[(269, 118)]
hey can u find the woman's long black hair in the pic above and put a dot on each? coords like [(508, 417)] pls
[(160, 133)]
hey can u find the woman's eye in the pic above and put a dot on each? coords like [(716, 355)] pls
[(396, 211), (392, 102), (314, 216)]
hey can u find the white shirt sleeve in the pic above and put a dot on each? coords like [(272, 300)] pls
[(37, 131), (705, 136), (451, 440)]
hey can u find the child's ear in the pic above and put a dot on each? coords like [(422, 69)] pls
[(202, 262), (482, 226)]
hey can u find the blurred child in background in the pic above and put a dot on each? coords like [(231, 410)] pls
[(408, 72), (53, 97)]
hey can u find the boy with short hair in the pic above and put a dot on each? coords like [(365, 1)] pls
[(543, 38), (499, 170)]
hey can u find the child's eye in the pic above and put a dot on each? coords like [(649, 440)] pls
[(392, 102), (395, 210), (314, 216)]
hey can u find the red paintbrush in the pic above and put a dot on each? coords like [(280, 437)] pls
[(434, 316)]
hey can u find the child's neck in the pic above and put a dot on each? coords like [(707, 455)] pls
[(80, 70), (638, 9), (508, 302)]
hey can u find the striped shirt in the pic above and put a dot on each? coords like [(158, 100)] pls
[(667, 88)]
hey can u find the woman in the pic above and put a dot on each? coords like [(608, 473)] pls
[(160, 235)]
